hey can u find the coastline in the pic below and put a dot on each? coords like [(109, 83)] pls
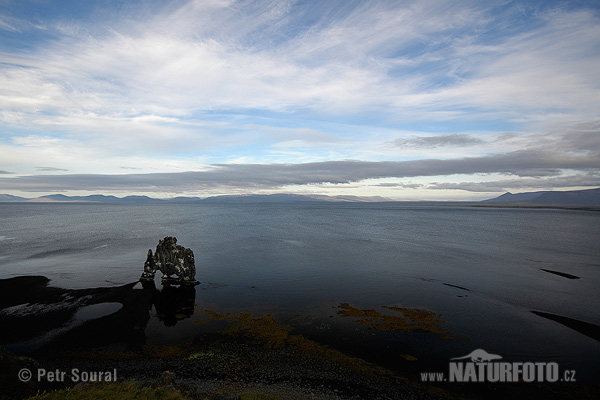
[(255, 355), (251, 354)]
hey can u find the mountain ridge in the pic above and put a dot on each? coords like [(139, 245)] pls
[(223, 199), (586, 197)]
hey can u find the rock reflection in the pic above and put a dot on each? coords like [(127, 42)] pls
[(172, 303), (33, 310)]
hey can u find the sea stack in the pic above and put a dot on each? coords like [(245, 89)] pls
[(171, 259)]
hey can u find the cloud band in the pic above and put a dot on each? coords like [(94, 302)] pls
[(526, 163)]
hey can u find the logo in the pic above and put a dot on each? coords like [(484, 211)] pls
[(481, 366), (479, 355)]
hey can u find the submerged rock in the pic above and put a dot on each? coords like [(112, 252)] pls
[(171, 259)]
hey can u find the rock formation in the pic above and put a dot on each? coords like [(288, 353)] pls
[(171, 259)]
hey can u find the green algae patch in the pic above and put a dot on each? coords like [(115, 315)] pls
[(163, 351), (266, 330), (409, 319), (145, 351), (117, 391), (408, 357), (211, 356), (257, 396)]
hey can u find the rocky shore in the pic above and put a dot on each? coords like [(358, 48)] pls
[(226, 369), (254, 354), (249, 357)]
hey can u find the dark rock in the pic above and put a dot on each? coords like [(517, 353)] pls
[(14, 381), (171, 259), (44, 318), (167, 379)]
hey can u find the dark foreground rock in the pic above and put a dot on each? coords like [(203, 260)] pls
[(35, 316)]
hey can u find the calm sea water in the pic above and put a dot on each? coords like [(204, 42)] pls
[(300, 262)]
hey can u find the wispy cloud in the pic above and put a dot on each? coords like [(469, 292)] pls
[(401, 185), (432, 142), (232, 55), (7, 25), (50, 169), (272, 176), (505, 185), (429, 87)]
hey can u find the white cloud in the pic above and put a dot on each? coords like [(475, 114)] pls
[(550, 68), (215, 57), (570, 181), (196, 83)]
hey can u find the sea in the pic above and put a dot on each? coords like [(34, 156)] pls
[(482, 271)]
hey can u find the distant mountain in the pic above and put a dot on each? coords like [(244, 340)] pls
[(101, 198), (352, 199), (231, 199), (11, 198), (509, 197), (259, 198), (95, 198), (184, 200), (56, 197), (141, 199), (588, 197)]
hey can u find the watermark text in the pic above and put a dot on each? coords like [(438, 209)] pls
[(74, 375), (480, 366)]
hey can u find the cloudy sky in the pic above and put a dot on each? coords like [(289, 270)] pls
[(429, 99)]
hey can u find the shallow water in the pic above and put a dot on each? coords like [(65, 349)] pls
[(481, 269)]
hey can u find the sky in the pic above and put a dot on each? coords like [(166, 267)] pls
[(410, 100)]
